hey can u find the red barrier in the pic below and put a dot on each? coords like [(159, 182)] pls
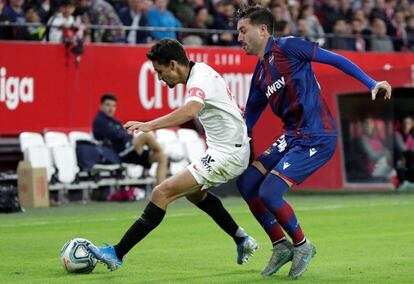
[(42, 88)]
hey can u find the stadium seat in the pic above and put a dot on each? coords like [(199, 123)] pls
[(170, 143), (64, 158), (30, 139), (79, 135), (54, 138), (39, 157), (174, 149), (166, 135), (176, 167), (194, 145), (186, 134), (133, 171)]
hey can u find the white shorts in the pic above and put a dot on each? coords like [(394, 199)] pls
[(215, 167)]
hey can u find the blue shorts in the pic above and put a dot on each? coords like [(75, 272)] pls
[(296, 158)]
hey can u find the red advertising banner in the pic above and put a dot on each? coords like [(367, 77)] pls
[(41, 87)]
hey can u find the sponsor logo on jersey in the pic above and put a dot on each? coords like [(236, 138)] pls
[(312, 151), (206, 160), (286, 165), (281, 144), (273, 88)]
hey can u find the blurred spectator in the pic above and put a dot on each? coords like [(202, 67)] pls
[(282, 29), (15, 11), (357, 30), (183, 10), (283, 21), (202, 20), (302, 29), (129, 148), (314, 29), (146, 6), (404, 151), (225, 20), (134, 17), (63, 27), (5, 32), (380, 40), (365, 28), (330, 13), (399, 32), (410, 33), (345, 10), (341, 37), (366, 8), (100, 12), (375, 156), (159, 16), (46, 8), (31, 32)]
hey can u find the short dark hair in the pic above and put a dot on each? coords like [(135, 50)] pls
[(258, 15), (67, 3), (166, 50), (109, 97)]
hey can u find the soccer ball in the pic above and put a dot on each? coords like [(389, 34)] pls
[(76, 258)]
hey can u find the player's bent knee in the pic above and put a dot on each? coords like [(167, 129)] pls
[(276, 173), (162, 195)]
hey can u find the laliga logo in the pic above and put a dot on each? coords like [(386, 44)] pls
[(13, 89)]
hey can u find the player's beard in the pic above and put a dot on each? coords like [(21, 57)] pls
[(249, 49)]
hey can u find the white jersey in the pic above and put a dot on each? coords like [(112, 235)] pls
[(221, 117)]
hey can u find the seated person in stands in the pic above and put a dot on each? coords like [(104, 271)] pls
[(376, 157), (129, 148), (404, 150)]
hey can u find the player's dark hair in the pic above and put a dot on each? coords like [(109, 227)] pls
[(109, 97), (166, 50), (258, 15)]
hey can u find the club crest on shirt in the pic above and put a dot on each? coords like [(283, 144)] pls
[(278, 84)]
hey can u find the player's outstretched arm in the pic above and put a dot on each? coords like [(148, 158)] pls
[(175, 118), (347, 66), (381, 87)]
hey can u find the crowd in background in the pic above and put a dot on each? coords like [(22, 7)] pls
[(381, 150), (360, 25)]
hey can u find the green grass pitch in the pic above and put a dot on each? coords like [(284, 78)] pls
[(360, 238)]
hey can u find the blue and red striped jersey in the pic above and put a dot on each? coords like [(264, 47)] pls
[(284, 78)]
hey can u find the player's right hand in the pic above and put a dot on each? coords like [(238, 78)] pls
[(381, 87), (137, 125)]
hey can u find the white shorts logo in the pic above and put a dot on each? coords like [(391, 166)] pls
[(206, 160), (312, 151), (286, 165)]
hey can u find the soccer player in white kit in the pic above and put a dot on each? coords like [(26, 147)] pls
[(227, 155)]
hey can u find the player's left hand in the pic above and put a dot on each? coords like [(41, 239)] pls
[(381, 87), (137, 125)]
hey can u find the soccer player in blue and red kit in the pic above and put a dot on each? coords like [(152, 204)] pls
[(284, 79)]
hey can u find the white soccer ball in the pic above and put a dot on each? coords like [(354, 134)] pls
[(76, 258)]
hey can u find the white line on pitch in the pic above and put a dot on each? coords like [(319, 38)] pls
[(92, 220)]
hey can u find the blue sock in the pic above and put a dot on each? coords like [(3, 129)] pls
[(271, 193), (248, 184)]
